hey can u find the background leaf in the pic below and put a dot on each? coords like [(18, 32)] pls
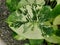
[(56, 11), (56, 20), (31, 33), (12, 4), (53, 39)]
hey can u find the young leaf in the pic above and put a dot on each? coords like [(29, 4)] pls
[(56, 20), (22, 3), (58, 2), (45, 14), (47, 30), (31, 33), (18, 37), (26, 44), (40, 2), (29, 9), (31, 1), (12, 4), (35, 42), (16, 16), (56, 11), (53, 39)]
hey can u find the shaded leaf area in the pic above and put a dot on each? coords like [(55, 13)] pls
[(48, 31), (56, 11), (53, 38), (44, 14), (56, 20), (36, 42), (58, 32), (12, 4)]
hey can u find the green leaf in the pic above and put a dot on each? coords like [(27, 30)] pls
[(45, 14), (16, 16), (58, 2), (47, 30), (56, 20), (26, 44), (56, 11), (53, 39), (29, 9), (22, 3), (12, 4), (18, 37), (57, 32), (30, 1), (40, 2), (35, 42), (16, 19), (8, 1), (33, 32)]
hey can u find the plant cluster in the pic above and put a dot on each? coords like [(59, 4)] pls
[(34, 20)]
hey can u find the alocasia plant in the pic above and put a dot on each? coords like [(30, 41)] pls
[(32, 19)]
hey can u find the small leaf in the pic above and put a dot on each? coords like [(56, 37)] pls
[(22, 3), (16, 19), (56, 11), (8, 1), (12, 4), (47, 30), (57, 32), (45, 14), (58, 2), (56, 20), (29, 9), (35, 42), (40, 2), (16, 16), (53, 39), (30, 1), (26, 44), (18, 37), (55, 27)]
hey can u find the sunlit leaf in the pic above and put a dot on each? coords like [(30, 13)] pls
[(31, 33), (40, 2), (58, 2), (18, 37), (22, 3), (56, 20), (36, 42), (53, 39), (29, 9)]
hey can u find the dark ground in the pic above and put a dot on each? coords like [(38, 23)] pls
[(5, 31)]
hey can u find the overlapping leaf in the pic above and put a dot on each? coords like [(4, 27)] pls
[(53, 39), (58, 2), (15, 4), (57, 21), (56, 11), (12, 4)]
